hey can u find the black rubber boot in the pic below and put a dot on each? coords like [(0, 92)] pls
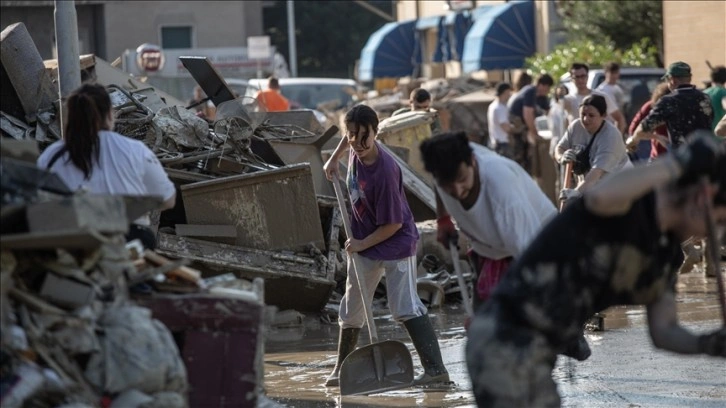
[(578, 348), (427, 345), (347, 339)]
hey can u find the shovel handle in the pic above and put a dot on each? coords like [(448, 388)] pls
[(460, 278), (353, 258), (712, 251)]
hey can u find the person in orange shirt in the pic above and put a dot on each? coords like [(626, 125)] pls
[(271, 98)]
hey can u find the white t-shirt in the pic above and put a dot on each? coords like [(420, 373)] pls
[(125, 166), (573, 105), (497, 113), (608, 151), (614, 91), (509, 212)]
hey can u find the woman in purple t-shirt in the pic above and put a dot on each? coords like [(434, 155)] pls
[(384, 235)]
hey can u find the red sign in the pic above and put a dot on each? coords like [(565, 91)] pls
[(149, 58)]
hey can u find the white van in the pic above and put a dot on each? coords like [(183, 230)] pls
[(309, 93)]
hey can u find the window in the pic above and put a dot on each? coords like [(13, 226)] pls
[(176, 37)]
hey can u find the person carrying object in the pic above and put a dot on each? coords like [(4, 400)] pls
[(384, 237), (593, 145)]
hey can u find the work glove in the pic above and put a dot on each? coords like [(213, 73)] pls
[(713, 344), (570, 155), (569, 194), (446, 231), (701, 156)]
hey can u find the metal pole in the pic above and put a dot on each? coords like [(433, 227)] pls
[(291, 37), (66, 34)]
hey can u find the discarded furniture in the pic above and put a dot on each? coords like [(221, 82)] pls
[(272, 210), (221, 343), (406, 131)]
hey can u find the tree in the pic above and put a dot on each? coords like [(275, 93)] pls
[(329, 35), (595, 54), (623, 22)]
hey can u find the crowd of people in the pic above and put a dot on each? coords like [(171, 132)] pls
[(540, 274)]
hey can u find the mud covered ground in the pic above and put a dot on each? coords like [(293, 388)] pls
[(625, 370)]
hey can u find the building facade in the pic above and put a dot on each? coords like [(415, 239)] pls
[(545, 33), (107, 28), (695, 32)]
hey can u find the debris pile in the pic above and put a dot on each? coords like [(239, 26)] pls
[(70, 333), (231, 174)]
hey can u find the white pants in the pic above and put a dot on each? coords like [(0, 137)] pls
[(401, 290)]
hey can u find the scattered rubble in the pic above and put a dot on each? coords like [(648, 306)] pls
[(91, 320)]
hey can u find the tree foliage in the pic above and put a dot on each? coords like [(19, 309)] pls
[(624, 23), (329, 35), (595, 54)]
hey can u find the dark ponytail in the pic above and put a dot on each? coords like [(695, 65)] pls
[(88, 108)]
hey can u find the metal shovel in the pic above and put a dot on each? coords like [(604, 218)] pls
[(379, 366)]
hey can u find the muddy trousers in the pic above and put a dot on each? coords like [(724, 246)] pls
[(401, 292), (510, 365)]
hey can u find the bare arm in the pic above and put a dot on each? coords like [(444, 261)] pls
[(382, 233), (665, 331), (506, 126), (592, 177), (331, 166), (440, 209), (615, 194), (169, 203), (620, 119)]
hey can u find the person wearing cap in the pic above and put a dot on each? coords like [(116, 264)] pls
[(683, 111), (498, 121), (617, 245), (717, 93)]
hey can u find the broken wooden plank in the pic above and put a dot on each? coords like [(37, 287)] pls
[(225, 234), (74, 239), (286, 276)]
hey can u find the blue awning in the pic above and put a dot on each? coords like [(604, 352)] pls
[(389, 52), (451, 36), (501, 37), (425, 23)]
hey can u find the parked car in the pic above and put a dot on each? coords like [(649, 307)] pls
[(238, 86), (309, 93), (637, 83)]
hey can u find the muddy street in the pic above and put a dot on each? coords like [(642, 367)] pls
[(625, 370)]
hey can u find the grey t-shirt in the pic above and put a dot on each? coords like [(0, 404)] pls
[(608, 150)]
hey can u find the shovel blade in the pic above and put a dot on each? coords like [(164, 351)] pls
[(360, 374)]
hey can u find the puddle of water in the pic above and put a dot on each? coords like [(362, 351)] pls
[(298, 360)]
